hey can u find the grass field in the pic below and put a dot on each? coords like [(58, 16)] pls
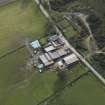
[(18, 86), (17, 22), (69, 31), (86, 91)]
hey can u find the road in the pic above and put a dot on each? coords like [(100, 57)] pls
[(83, 60), (70, 46)]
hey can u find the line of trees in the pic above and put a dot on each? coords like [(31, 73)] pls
[(57, 4)]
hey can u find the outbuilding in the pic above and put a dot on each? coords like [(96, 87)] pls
[(35, 44), (70, 59), (60, 65), (46, 60), (49, 48)]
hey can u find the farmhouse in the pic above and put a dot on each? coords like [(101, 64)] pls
[(55, 52)]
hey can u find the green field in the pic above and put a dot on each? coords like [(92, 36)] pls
[(68, 29), (19, 86), (86, 91), (18, 22)]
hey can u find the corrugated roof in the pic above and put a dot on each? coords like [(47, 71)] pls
[(45, 61), (50, 48), (57, 54), (48, 57), (70, 59), (54, 55)]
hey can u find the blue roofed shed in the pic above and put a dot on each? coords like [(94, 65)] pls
[(35, 44)]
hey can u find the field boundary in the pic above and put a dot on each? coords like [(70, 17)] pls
[(18, 48), (11, 52), (67, 85)]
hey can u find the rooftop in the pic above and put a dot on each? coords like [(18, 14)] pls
[(46, 60), (50, 48), (70, 59), (35, 44), (55, 51)]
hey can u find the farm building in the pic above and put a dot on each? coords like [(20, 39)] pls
[(49, 48), (70, 59), (58, 53), (35, 44), (54, 52), (46, 60)]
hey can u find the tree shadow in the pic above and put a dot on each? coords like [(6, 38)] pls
[(59, 85), (61, 81)]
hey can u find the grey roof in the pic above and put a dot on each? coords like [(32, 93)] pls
[(46, 60), (48, 57), (61, 52), (54, 55), (49, 48), (58, 53), (54, 38), (70, 59)]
